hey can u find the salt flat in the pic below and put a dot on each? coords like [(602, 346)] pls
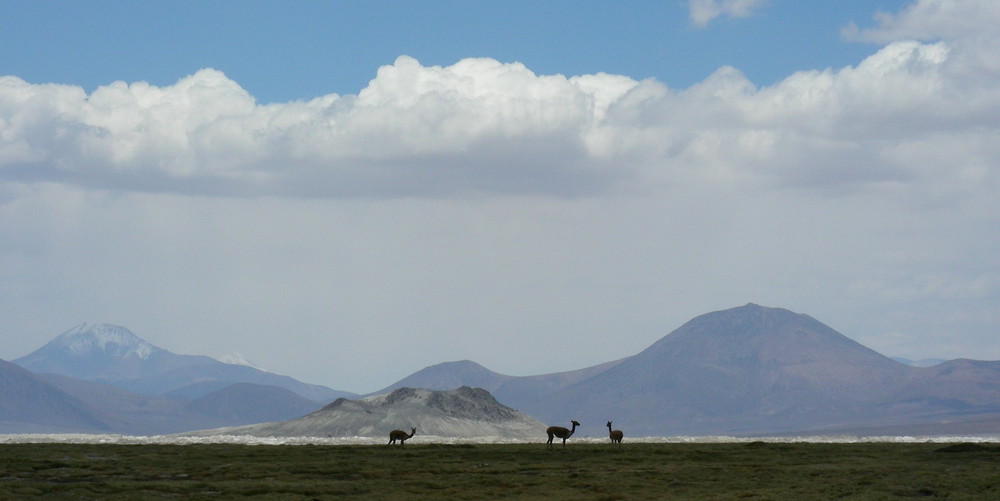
[(83, 438)]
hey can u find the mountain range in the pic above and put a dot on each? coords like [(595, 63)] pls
[(749, 370), (107, 379)]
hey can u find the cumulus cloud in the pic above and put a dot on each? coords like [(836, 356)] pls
[(932, 20), (476, 125), (484, 126), (703, 12)]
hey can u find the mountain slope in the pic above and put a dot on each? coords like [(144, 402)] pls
[(952, 389), (529, 393), (112, 354), (744, 355), (464, 412), (137, 414), (30, 404), (245, 403)]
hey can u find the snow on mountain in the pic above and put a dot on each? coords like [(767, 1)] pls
[(113, 340), (111, 354), (237, 358), (927, 362)]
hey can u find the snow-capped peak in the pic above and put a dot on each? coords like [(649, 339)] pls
[(236, 358), (114, 340)]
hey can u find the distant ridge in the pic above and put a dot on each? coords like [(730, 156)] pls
[(448, 376), (512, 390), (231, 405), (246, 403), (28, 404)]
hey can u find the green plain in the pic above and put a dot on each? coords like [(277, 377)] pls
[(755, 470)]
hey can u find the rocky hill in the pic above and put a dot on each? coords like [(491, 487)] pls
[(463, 413)]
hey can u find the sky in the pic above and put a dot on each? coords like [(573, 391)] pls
[(348, 192)]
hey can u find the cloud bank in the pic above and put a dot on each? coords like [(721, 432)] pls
[(478, 125), (910, 112)]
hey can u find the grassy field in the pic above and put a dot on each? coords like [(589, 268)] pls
[(756, 470)]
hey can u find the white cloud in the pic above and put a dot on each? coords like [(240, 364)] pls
[(490, 127), (703, 12), (413, 130), (933, 20)]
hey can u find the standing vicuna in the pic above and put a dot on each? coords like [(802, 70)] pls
[(400, 435), (559, 431), (616, 435)]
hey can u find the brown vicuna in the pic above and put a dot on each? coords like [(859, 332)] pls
[(400, 435), (616, 435), (559, 431)]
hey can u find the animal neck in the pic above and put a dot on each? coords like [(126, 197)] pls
[(572, 429)]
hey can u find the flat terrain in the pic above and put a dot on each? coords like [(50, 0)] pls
[(753, 470)]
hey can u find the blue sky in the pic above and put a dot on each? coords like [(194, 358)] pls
[(350, 192), (281, 53)]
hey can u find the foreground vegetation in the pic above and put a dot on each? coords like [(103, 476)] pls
[(524, 471)]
